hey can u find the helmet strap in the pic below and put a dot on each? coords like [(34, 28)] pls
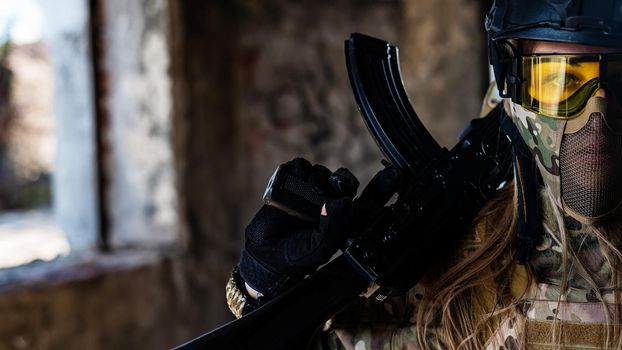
[(529, 231)]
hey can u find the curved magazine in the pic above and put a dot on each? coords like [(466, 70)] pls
[(374, 72)]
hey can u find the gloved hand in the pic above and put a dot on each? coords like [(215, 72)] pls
[(280, 249)]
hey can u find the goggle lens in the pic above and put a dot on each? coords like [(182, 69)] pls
[(559, 86)]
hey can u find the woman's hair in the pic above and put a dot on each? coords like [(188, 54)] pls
[(467, 301), (450, 302)]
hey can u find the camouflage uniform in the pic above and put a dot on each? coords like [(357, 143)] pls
[(583, 310), (579, 318), (383, 326)]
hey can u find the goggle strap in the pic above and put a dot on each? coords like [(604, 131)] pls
[(503, 55)]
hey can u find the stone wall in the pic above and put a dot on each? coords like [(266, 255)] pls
[(253, 85), (445, 63)]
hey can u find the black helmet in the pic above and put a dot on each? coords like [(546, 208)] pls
[(589, 22)]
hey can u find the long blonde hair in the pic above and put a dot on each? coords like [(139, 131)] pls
[(469, 299)]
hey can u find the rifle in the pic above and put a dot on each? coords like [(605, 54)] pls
[(441, 193)]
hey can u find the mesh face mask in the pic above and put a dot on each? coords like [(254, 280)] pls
[(580, 159), (591, 165), (574, 134)]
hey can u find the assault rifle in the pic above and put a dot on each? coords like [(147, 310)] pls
[(441, 193)]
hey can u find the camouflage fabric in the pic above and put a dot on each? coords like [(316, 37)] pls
[(388, 325), (547, 260), (575, 187), (582, 308), (506, 337), (543, 136)]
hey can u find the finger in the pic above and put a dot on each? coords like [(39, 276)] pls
[(336, 222), (299, 167), (375, 196), (317, 246), (318, 177), (344, 183), (382, 186)]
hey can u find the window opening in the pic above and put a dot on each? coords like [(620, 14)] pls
[(28, 231)]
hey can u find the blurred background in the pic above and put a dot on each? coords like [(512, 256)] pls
[(136, 139)]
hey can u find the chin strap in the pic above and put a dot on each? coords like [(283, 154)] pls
[(529, 231)]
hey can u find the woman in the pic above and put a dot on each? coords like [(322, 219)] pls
[(558, 65)]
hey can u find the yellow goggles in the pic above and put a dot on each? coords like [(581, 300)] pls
[(559, 86)]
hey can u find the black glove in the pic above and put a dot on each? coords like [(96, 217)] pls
[(281, 249), (375, 196)]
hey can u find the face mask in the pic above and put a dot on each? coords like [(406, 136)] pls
[(579, 158)]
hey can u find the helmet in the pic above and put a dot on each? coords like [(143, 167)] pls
[(573, 130), (589, 22)]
